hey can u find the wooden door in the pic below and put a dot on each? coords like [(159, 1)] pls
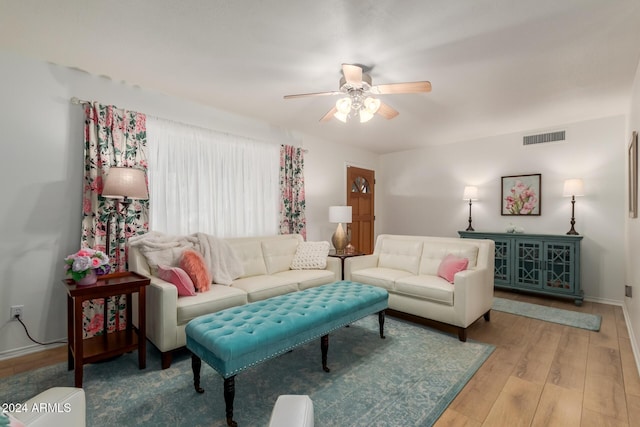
[(360, 196)]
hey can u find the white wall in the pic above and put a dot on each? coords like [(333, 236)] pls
[(632, 270), (41, 174), (422, 191)]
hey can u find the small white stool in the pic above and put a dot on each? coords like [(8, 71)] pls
[(292, 411), (57, 406)]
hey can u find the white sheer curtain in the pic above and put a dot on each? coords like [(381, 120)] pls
[(211, 182)]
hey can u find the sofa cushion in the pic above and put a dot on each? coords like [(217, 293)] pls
[(311, 255), (263, 287), (179, 278), (217, 298), (308, 278), (400, 255), (250, 253), (278, 254), (451, 265), (194, 265), (376, 276), (432, 288), (434, 253)]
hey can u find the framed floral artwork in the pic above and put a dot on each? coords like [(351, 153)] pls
[(521, 195), (633, 176)]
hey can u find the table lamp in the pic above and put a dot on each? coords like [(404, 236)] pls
[(470, 193), (573, 188), (338, 215)]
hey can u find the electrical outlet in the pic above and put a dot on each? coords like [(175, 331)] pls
[(16, 310), (628, 291)]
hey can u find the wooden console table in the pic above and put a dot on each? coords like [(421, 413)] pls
[(540, 263), (82, 351)]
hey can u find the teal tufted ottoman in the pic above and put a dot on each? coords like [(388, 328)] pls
[(234, 339)]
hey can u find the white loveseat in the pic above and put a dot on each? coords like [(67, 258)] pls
[(407, 267), (267, 273)]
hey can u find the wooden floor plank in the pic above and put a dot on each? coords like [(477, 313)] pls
[(570, 362), (535, 363), (516, 405), (558, 407), (451, 418), (604, 385)]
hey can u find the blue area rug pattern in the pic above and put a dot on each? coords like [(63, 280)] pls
[(407, 379), (549, 314)]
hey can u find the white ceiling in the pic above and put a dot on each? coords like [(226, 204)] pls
[(496, 66)]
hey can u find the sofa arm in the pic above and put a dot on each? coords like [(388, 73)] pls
[(356, 263), (472, 295), (161, 313), (333, 265)]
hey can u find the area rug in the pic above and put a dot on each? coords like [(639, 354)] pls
[(407, 379), (548, 314)]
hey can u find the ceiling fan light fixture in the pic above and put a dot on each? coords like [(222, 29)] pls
[(365, 115), (340, 116), (371, 105), (343, 105)]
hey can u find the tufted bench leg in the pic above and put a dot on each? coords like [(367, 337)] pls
[(229, 395), (324, 346)]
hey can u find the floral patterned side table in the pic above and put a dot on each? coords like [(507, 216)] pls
[(82, 351)]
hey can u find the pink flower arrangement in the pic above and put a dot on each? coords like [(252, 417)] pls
[(522, 200), (78, 265)]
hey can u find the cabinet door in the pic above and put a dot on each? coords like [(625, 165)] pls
[(502, 273), (528, 260), (559, 275)]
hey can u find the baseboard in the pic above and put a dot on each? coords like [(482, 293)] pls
[(632, 337), (33, 348)]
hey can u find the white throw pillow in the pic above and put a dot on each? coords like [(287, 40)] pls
[(311, 256)]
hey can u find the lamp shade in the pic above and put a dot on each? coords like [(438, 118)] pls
[(573, 187), (340, 214), (470, 193), (125, 183)]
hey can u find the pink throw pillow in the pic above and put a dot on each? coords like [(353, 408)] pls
[(179, 278), (193, 263), (450, 265)]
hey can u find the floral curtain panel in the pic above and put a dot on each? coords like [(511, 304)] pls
[(292, 203), (112, 137)]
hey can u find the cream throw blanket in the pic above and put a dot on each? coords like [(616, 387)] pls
[(163, 249)]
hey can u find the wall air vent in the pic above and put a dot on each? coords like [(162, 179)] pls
[(544, 137)]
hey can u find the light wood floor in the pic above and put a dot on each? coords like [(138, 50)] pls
[(541, 374)]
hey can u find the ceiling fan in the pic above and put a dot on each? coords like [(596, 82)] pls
[(358, 95)]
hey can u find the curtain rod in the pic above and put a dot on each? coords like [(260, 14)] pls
[(77, 101)]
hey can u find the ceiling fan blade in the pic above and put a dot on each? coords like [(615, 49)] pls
[(302, 95), (393, 88), (352, 74), (386, 111), (329, 115)]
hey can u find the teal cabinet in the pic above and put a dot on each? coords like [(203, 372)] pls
[(540, 263)]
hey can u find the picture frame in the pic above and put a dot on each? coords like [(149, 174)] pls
[(633, 175), (521, 195)]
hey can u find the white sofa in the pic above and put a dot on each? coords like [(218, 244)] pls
[(57, 406), (407, 266), (266, 262)]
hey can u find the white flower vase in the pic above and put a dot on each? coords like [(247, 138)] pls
[(90, 279)]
